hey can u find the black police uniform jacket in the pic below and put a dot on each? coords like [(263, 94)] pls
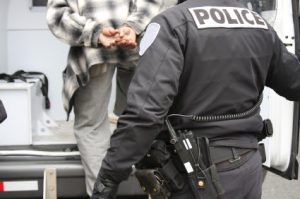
[(208, 57)]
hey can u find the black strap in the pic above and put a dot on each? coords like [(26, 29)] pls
[(6, 77), (174, 178), (24, 76)]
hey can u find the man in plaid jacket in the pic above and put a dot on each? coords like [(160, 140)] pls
[(90, 28)]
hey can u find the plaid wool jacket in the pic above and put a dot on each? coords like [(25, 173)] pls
[(79, 23)]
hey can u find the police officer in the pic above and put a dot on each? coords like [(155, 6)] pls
[(202, 57)]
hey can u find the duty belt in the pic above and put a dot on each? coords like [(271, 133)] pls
[(231, 154)]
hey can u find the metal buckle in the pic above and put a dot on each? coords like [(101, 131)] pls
[(236, 156), (235, 159), (159, 177)]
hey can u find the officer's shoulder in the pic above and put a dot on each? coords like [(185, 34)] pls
[(173, 15)]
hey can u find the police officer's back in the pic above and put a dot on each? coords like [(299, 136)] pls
[(207, 58)]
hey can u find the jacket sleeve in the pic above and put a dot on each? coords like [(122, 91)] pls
[(151, 94), (65, 23), (284, 73), (143, 12)]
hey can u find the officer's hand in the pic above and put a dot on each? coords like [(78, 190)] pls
[(104, 188), (108, 37), (126, 37)]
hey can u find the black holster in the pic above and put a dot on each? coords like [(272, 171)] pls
[(157, 174), (267, 130), (206, 185), (194, 153), (152, 183)]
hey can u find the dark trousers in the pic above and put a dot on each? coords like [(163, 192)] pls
[(242, 182), (123, 79)]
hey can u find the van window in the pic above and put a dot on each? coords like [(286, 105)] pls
[(268, 5), (268, 10)]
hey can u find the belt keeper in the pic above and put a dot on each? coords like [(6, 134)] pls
[(236, 157)]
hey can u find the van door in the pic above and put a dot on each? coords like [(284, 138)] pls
[(282, 147)]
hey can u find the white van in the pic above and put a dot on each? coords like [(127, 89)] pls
[(36, 142)]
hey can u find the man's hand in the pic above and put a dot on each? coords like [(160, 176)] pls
[(126, 37), (108, 37), (104, 188)]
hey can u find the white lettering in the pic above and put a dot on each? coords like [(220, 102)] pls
[(226, 17)]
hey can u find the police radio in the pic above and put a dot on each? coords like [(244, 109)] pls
[(194, 154)]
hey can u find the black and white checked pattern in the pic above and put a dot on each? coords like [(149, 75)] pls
[(79, 22)]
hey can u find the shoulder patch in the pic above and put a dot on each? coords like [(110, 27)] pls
[(226, 17), (149, 37)]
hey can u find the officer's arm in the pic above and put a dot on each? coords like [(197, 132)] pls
[(66, 24), (150, 96), (284, 73)]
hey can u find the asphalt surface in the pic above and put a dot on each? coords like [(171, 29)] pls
[(276, 187)]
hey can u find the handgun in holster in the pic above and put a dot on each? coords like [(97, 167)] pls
[(152, 183), (157, 174), (194, 154)]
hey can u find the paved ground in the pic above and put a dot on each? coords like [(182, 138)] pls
[(275, 187)]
